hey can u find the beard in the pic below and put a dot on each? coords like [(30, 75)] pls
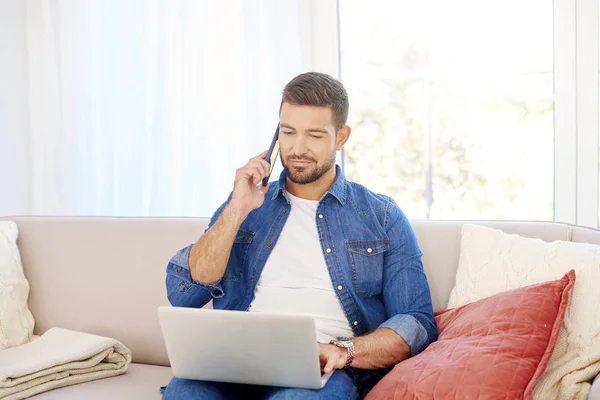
[(309, 174)]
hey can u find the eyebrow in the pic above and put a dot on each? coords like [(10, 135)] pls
[(308, 130)]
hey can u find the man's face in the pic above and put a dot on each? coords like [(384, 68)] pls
[(308, 142)]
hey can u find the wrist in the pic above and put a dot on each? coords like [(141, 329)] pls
[(235, 212), (344, 354), (346, 346)]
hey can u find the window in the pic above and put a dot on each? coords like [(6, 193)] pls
[(452, 105), (461, 110)]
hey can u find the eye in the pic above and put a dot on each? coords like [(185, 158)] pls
[(288, 132), (316, 136)]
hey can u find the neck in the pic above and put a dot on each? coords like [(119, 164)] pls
[(314, 190)]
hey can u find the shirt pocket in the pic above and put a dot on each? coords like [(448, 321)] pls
[(238, 256), (366, 258)]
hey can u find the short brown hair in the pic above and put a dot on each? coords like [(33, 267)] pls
[(318, 89)]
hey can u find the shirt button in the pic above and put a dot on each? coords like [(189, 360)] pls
[(269, 244), (253, 280), (355, 323), (177, 269), (328, 250), (285, 211), (211, 287), (321, 216), (369, 250), (340, 287)]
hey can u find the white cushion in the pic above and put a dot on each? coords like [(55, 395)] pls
[(16, 321), (492, 261)]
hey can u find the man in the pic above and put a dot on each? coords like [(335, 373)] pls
[(312, 243)]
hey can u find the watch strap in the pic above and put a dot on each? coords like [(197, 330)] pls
[(347, 344)]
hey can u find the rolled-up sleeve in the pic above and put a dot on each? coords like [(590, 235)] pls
[(182, 290), (406, 291), (411, 330)]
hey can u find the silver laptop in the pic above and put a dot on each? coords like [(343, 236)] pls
[(242, 347)]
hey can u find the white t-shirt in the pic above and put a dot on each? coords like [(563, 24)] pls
[(295, 278)]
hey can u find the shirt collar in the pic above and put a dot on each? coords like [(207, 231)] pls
[(337, 190)]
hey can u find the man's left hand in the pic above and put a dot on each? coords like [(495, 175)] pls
[(332, 357)]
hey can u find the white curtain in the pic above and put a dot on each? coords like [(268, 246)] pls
[(147, 107)]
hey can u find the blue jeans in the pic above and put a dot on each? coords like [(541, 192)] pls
[(340, 386)]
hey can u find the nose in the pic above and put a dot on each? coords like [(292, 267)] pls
[(299, 148)]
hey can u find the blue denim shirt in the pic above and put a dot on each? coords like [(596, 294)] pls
[(369, 247)]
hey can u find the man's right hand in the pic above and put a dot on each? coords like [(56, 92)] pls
[(248, 191), (209, 256)]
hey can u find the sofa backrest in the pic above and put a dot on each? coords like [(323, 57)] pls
[(107, 275), (440, 244)]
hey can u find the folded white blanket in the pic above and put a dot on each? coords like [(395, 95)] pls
[(58, 358)]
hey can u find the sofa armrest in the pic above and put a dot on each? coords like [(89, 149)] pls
[(595, 390)]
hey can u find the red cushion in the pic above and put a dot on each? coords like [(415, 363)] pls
[(495, 348)]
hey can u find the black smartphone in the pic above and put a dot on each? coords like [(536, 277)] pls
[(272, 155)]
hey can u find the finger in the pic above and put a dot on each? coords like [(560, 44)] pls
[(262, 164), (254, 174), (322, 360), (330, 364), (246, 172), (263, 155), (266, 166), (322, 356)]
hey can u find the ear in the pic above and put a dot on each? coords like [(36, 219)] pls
[(342, 137)]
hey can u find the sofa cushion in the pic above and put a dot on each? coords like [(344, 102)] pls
[(494, 348), (140, 382), (492, 261), (595, 389), (16, 321)]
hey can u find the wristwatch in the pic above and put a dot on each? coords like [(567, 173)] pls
[(345, 343)]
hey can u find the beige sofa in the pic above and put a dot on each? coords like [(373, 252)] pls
[(106, 276)]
